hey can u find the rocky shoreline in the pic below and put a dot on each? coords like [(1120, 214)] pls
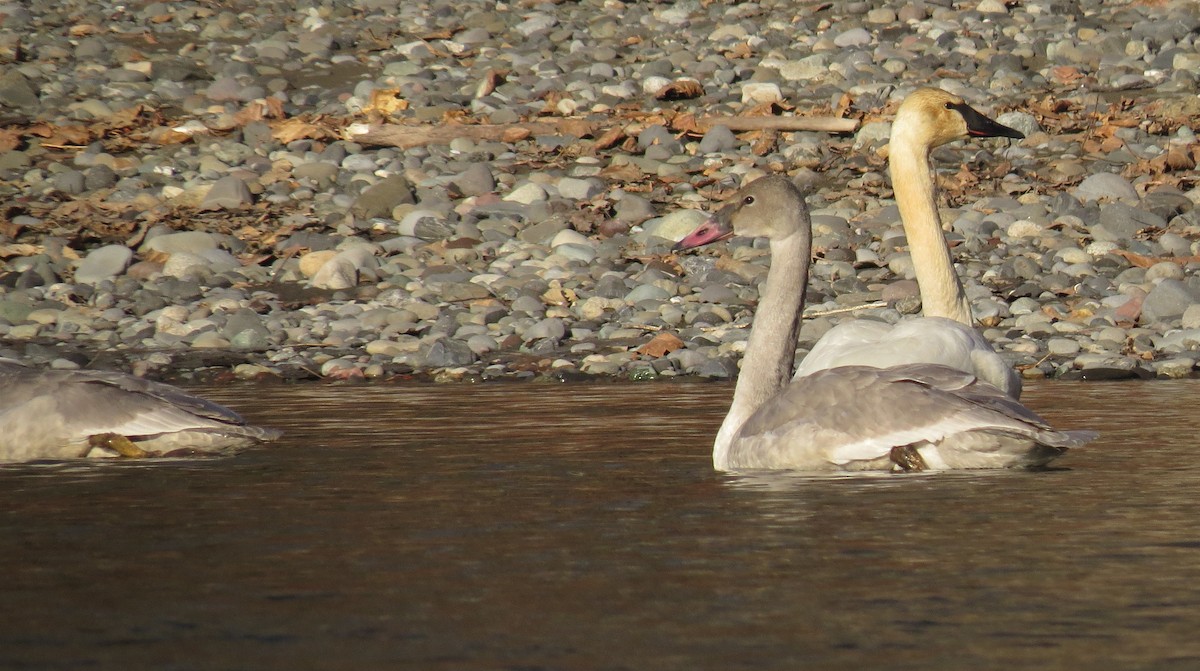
[(197, 193)]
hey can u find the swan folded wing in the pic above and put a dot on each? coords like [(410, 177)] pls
[(83, 403), (851, 417), (173, 396), (922, 340)]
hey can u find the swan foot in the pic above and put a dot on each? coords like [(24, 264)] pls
[(119, 444), (907, 459)]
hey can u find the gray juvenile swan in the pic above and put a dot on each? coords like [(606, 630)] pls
[(915, 416), (928, 118), (64, 414)]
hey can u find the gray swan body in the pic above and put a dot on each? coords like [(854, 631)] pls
[(914, 416), (59, 414), (946, 335)]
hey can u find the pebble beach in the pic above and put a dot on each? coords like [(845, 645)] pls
[(383, 189)]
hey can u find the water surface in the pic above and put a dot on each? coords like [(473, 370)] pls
[(538, 526)]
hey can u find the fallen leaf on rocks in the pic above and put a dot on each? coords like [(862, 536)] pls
[(1143, 261), (609, 138), (765, 143), (63, 136), (680, 89), (10, 139), (19, 249), (297, 129), (491, 79), (660, 345), (386, 102), (83, 30), (556, 295), (740, 50), (263, 108)]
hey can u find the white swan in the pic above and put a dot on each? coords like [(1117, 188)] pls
[(61, 414), (907, 417), (927, 118)]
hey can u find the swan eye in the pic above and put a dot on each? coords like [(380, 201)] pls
[(748, 200), (949, 106)]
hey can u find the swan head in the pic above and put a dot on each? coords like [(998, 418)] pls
[(933, 117), (771, 207)]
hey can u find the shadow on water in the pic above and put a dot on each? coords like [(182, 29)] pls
[(582, 527)]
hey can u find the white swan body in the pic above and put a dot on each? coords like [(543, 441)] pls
[(914, 416), (61, 414), (926, 119)]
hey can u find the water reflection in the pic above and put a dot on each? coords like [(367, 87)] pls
[(582, 526)]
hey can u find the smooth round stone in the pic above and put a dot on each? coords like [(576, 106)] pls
[(103, 263), (482, 344), (526, 194), (227, 193), (646, 292), (1062, 346), (1165, 270), (358, 163), (476, 180), (761, 93), (183, 264), (718, 139), (209, 340), (576, 252), (551, 327), (183, 241), (1025, 229), (569, 236), (1104, 185), (572, 188), (1176, 368), (855, 37)]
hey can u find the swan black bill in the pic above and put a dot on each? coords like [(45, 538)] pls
[(712, 230), (979, 125)]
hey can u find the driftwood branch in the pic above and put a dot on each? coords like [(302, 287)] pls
[(405, 137), (783, 123)]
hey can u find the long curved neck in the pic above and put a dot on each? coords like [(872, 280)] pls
[(942, 293), (771, 350)]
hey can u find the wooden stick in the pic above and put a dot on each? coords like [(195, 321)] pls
[(783, 123), (415, 136), (406, 137)]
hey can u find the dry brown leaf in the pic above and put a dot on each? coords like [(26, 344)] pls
[(1143, 261), (10, 138), (680, 89), (386, 102), (660, 345), (267, 108), (491, 79), (83, 30), (556, 295), (609, 138), (740, 50), (295, 128), (627, 172), (765, 143), (686, 123), (130, 116), (20, 249), (1065, 74)]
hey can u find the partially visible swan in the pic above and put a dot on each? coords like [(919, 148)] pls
[(62, 414), (928, 118), (907, 417)]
